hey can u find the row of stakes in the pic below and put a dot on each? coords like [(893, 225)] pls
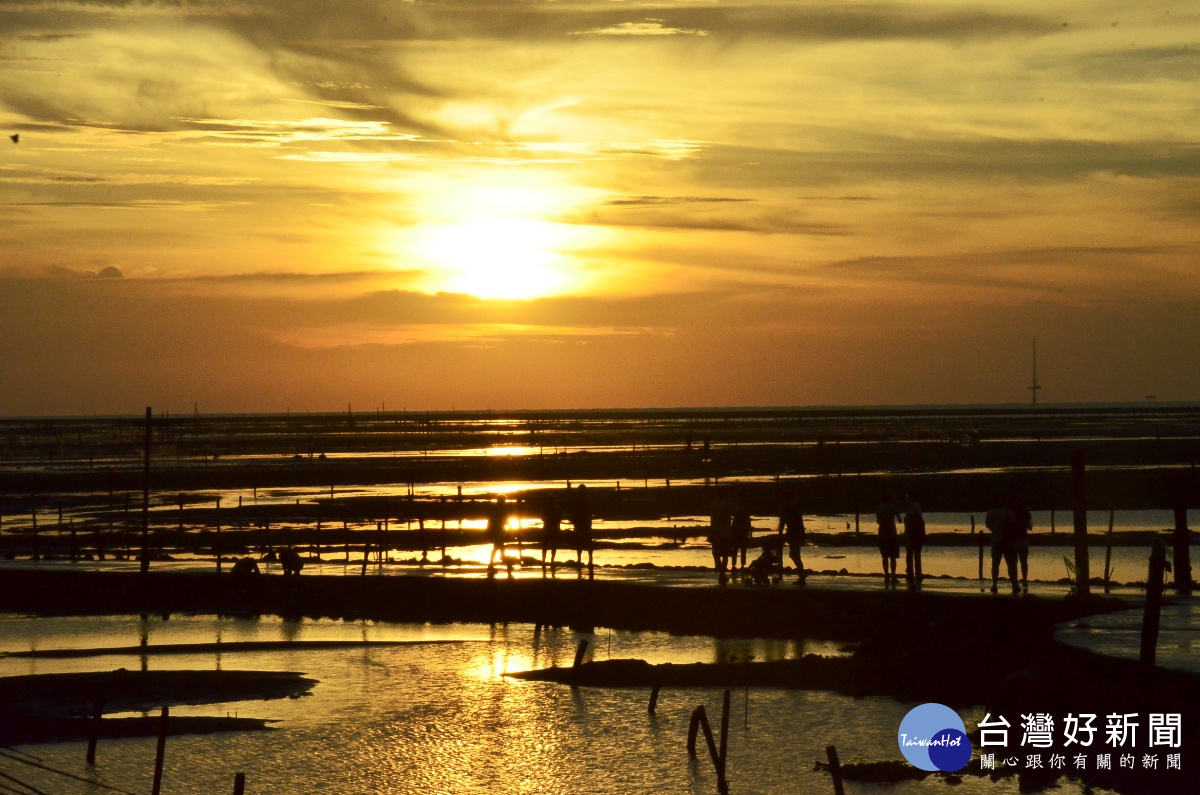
[(699, 721), (239, 779), (717, 748)]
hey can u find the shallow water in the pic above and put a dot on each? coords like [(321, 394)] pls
[(1046, 564), (444, 719)]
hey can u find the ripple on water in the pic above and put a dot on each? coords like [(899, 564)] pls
[(443, 718)]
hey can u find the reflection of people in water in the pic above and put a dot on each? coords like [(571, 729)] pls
[(581, 521), (551, 532), (914, 541), (889, 544), (791, 527), (497, 521)]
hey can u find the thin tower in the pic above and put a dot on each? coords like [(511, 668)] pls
[(1033, 388)]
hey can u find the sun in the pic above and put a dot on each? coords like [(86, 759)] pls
[(497, 257), (499, 242)]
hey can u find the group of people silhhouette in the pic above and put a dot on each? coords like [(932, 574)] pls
[(730, 534), (913, 519), (1009, 522), (551, 539)]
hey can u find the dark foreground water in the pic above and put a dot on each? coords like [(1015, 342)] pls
[(444, 719)]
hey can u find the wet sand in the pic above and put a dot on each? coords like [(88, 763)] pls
[(234, 647), (783, 612), (41, 708)]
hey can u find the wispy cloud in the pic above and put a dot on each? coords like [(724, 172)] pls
[(659, 201), (650, 27), (360, 334)]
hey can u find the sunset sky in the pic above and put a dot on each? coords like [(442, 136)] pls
[(586, 203)]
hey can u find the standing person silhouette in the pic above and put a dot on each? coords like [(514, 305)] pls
[(1002, 522), (551, 532), (742, 527), (1020, 539), (914, 541), (791, 526), (720, 536), (889, 543), (581, 521), (497, 522)]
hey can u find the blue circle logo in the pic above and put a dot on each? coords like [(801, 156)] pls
[(933, 737)]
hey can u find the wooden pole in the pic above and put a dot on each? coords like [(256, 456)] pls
[(1181, 541), (835, 770), (724, 736), (94, 730), (217, 541), (980, 555), (1154, 589), (239, 784), (700, 722), (145, 567), (1112, 516), (653, 705), (580, 650), (159, 753), (1082, 574)]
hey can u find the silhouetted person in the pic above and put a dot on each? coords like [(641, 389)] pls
[(720, 536), (889, 543), (497, 521), (551, 532), (421, 536), (1021, 536), (289, 559), (742, 527), (767, 563), (244, 568), (914, 541), (581, 522), (791, 526), (1002, 523)]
